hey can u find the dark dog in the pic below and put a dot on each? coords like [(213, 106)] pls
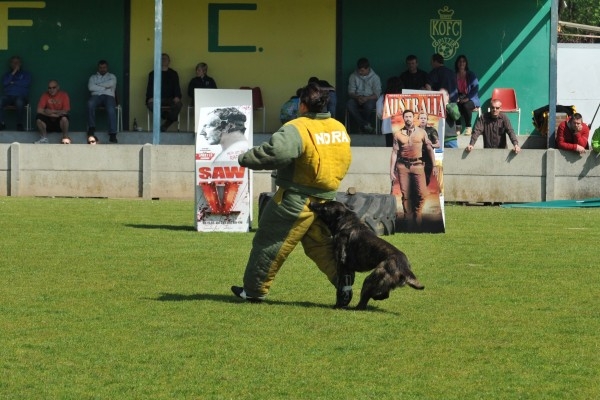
[(358, 248)]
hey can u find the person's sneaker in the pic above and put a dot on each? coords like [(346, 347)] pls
[(20, 128), (467, 131), (112, 137), (241, 293), (91, 131), (43, 140), (2, 126)]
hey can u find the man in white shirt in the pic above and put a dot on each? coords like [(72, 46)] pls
[(102, 86), (364, 88)]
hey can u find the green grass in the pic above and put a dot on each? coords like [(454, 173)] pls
[(122, 299)]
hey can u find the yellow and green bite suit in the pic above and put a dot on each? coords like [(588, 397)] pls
[(311, 155)]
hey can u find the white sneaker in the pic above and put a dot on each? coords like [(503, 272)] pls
[(43, 140)]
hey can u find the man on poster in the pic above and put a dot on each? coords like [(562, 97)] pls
[(226, 127), (432, 135), (407, 166)]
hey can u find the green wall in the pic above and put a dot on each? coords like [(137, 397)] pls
[(64, 41), (507, 43)]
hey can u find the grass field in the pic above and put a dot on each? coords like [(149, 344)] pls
[(122, 299)]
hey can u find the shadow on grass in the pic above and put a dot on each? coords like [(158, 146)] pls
[(231, 299), (166, 227)]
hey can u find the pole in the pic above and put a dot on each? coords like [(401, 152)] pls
[(592, 122), (157, 71), (553, 73)]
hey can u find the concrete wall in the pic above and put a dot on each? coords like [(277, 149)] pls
[(533, 175), (167, 171)]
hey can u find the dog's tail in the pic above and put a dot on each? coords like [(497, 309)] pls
[(414, 283), (411, 279)]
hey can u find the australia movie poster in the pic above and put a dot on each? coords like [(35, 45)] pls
[(416, 165), (223, 195)]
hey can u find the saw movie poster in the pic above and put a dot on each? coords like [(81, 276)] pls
[(223, 193)]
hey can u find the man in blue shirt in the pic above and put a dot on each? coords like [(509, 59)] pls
[(15, 85), (442, 77)]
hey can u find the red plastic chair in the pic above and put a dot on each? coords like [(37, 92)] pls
[(258, 104), (508, 97)]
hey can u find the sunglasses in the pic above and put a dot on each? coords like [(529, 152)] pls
[(495, 108), (51, 87), (91, 141)]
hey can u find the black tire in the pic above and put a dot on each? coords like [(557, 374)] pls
[(377, 211)]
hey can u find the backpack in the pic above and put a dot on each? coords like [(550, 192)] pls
[(452, 111), (289, 110), (596, 141)]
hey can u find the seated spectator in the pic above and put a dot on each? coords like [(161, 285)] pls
[(573, 134), (53, 112), (413, 78), (468, 88), (102, 86), (289, 109), (170, 93), (200, 81), (326, 86), (494, 126), (15, 84), (442, 77), (65, 140), (364, 88), (92, 140), (393, 86)]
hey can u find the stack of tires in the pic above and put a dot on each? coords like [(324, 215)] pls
[(377, 211)]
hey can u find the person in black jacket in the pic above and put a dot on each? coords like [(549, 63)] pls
[(200, 81), (170, 93)]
